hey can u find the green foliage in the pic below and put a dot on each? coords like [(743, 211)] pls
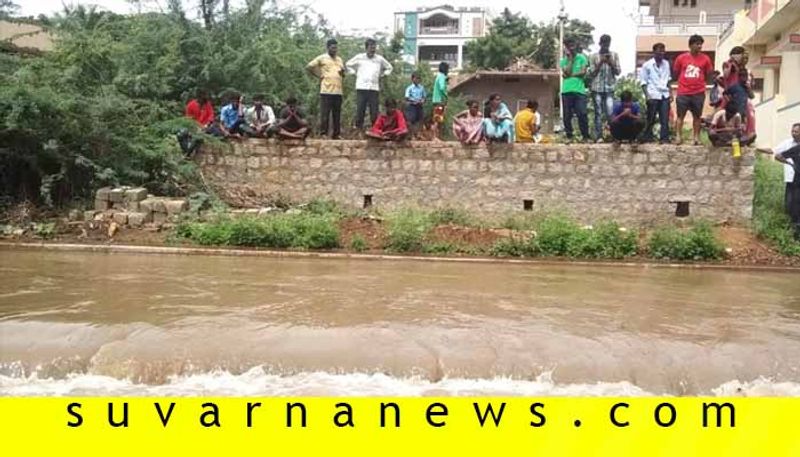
[(104, 106), (770, 221), (560, 236), (514, 35), (305, 231), (322, 207), (407, 230), (698, 243), (358, 243), (44, 230), (454, 216)]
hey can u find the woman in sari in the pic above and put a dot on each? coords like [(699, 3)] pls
[(468, 124), (499, 126)]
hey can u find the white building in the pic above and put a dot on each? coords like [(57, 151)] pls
[(440, 34)]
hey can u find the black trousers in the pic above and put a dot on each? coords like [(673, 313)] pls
[(364, 99), (658, 108), (626, 131), (330, 105), (793, 205)]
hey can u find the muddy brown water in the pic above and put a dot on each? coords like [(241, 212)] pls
[(138, 322)]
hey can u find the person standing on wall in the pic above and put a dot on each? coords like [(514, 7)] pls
[(603, 70), (329, 69), (574, 66), (692, 69), (654, 77), (368, 67), (790, 175), (415, 102), (439, 99)]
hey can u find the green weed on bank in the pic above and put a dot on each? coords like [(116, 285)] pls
[(698, 243), (770, 221), (303, 231)]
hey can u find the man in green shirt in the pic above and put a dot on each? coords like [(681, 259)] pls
[(439, 98), (574, 65)]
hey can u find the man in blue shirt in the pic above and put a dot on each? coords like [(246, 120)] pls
[(626, 123), (415, 100), (231, 118), (655, 76)]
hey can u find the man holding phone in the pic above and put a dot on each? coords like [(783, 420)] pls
[(603, 70)]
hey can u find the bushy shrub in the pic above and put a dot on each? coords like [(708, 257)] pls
[(698, 243), (407, 230), (306, 231), (770, 221)]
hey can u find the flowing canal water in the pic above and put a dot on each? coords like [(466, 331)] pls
[(128, 324)]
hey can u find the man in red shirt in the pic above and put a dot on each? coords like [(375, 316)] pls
[(391, 125), (692, 70), (201, 110)]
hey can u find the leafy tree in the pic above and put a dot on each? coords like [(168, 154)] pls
[(102, 108), (514, 35), (8, 8)]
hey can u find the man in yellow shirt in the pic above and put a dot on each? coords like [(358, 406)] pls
[(528, 122), (329, 69)]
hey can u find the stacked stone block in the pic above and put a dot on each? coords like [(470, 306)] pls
[(134, 207)]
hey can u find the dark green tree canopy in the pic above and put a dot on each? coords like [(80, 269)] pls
[(513, 35)]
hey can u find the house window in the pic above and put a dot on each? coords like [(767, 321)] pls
[(685, 3), (477, 27)]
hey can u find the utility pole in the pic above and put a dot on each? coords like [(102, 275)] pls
[(562, 18)]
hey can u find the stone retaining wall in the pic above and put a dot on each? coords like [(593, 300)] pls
[(631, 184)]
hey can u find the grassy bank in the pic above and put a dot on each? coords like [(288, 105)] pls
[(453, 231), (770, 221)]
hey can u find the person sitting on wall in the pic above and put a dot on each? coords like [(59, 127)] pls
[(468, 124), (291, 124), (201, 111), (232, 120), (626, 122), (498, 126), (259, 117), (727, 124), (528, 123), (390, 125)]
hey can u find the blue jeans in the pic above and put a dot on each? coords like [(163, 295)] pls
[(603, 106), (575, 104), (660, 108)]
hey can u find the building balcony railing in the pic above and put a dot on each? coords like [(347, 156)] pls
[(694, 19), (681, 29), (438, 31)]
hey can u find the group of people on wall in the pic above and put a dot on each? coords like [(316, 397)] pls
[(733, 120), (585, 76)]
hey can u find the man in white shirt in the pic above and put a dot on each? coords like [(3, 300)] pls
[(654, 77), (368, 68), (788, 167), (260, 117)]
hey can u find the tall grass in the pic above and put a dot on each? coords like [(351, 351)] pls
[(770, 221), (304, 231)]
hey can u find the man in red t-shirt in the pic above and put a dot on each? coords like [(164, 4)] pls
[(201, 110), (692, 70)]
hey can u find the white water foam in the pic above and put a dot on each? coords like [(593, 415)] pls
[(256, 382)]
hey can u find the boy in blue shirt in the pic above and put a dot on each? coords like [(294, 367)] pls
[(415, 101), (231, 118), (626, 123)]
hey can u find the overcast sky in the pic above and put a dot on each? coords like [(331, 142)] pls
[(615, 17)]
